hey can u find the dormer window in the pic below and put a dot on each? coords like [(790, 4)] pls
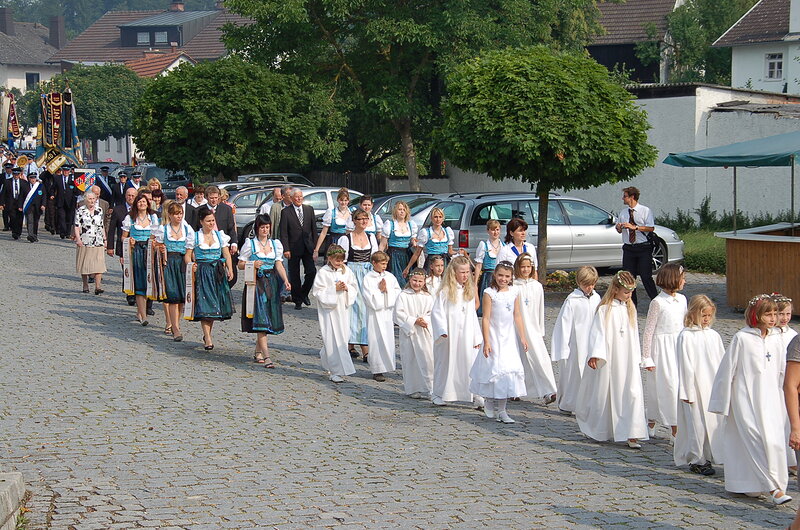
[(160, 37), (143, 38), (774, 66)]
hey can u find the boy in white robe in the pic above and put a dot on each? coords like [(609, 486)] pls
[(747, 391), (700, 350), (570, 345), (456, 333), (380, 293), (335, 290), (412, 314)]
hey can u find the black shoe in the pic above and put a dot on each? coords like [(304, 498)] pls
[(306, 300), (6, 229), (91, 279), (131, 300), (379, 377), (353, 353), (150, 312), (63, 237), (31, 239), (14, 237), (52, 232), (298, 305)]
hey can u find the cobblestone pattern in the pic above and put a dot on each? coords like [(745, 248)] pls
[(115, 426)]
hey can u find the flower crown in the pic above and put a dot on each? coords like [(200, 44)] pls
[(779, 298), (621, 283)]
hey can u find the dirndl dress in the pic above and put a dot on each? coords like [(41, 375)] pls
[(358, 261), (399, 253), (212, 293), (175, 269), (267, 309), (140, 235), (487, 271)]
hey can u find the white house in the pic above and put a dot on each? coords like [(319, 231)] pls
[(765, 45), (689, 117)]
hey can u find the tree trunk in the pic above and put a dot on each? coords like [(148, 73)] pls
[(435, 163), (403, 126), (95, 150), (541, 244)]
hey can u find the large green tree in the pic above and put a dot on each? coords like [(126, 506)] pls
[(105, 99), (552, 119), (231, 116), (692, 28), (388, 57)]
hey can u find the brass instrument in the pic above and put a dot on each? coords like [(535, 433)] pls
[(22, 161)]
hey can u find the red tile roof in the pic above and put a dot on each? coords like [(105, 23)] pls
[(152, 64), (767, 21), (100, 42), (627, 23)]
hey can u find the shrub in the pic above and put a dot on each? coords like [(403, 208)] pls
[(706, 218), (703, 252)]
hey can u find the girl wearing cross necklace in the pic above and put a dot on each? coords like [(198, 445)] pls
[(516, 234)]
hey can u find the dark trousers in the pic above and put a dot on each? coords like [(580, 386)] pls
[(638, 260), (66, 217), (301, 291), (6, 226), (50, 215), (15, 218), (32, 222)]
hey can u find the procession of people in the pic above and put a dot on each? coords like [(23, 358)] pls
[(470, 331)]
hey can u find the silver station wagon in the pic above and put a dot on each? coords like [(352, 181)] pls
[(578, 232)]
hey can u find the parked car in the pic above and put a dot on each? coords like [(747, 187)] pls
[(578, 232), (383, 203), (247, 202), (320, 199), (170, 180), (285, 178)]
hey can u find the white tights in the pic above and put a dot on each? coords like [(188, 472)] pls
[(498, 405)]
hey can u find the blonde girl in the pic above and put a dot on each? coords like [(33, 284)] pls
[(611, 399), (539, 379), (486, 257), (412, 314), (334, 222), (436, 240), (436, 272), (700, 351), (456, 334), (399, 237)]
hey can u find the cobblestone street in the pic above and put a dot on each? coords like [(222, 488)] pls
[(116, 426)]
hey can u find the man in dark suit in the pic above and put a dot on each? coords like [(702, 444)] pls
[(6, 177), (65, 199), (223, 214), (35, 207), (189, 211), (119, 188), (114, 237), (298, 237), (105, 194), (136, 180), (14, 193)]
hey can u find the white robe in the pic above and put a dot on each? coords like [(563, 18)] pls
[(664, 323), (747, 391), (539, 378), (611, 399), (433, 283), (380, 328), (699, 435), (416, 343), (334, 318), (453, 355), (570, 345), (787, 334)]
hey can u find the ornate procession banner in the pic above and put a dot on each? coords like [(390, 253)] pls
[(57, 140), (13, 124)]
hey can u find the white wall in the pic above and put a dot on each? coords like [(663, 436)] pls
[(116, 150), (13, 76), (682, 124), (748, 65)]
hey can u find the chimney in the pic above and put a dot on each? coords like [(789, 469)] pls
[(58, 35), (177, 5), (7, 21)]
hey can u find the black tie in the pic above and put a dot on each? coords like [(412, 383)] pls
[(631, 232), (16, 189)]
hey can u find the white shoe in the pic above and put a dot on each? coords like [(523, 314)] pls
[(549, 398), (439, 402), (505, 418), (779, 497), (634, 444), (478, 402), (672, 439), (336, 378), (488, 408), (651, 431)]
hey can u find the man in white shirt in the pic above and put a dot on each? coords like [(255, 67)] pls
[(635, 223)]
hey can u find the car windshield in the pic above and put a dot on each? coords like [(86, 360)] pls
[(420, 203)]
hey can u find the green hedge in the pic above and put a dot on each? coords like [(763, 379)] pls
[(703, 252)]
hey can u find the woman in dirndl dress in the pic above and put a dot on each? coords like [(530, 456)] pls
[(334, 223), (359, 246), (399, 237), (436, 240), (213, 269), (374, 222), (139, 224), (267, 255), (486, 259), (173, 236)]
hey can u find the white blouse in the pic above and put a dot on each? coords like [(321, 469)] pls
[(276, 251), (165, 232), (126, 224), (226, 240)]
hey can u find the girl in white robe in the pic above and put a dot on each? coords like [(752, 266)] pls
[(497, 372), (456, 334), (412, 314), (539, 378), (570, 346), (434, 279), (784, 304), (747, 392), (700, 351), (611, 399), (380, 293), (335, 290), (659, 357)]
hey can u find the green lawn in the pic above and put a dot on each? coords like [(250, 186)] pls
[(703, 252)]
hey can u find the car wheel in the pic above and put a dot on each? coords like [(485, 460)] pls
[(248, 232), (659, 254)]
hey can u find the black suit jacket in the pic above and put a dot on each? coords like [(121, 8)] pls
[(225, 221), (190, 216), (114, 239), (65, 196), (108, 197), (38, 200), (118, 194), (8, 194), (295, 238)]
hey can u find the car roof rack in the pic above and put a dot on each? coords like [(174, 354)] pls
[(510, 193)]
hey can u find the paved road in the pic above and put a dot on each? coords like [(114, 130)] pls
[(114, 426)]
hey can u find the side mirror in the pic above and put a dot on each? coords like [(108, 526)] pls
[(612, 219)]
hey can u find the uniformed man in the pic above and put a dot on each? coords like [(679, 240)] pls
[(136, 180), (65, 199), (35, 207), (14, 193), (7, 176)]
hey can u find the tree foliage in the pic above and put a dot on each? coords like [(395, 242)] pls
[(388, 58), (231, 116), (553, 119), (692, 28)]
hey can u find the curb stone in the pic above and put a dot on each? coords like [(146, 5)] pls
[(12, 491)]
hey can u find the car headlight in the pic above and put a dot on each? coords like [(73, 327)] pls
[(675, 236)]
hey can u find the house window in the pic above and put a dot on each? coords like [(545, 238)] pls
[(143, 38), (120, 145), (775, 66), (108, 145), (31, 80), (160, 37)]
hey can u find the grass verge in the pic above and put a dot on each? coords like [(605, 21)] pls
[(703, 252)]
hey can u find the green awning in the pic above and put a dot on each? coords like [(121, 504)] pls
[(778, 150)]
